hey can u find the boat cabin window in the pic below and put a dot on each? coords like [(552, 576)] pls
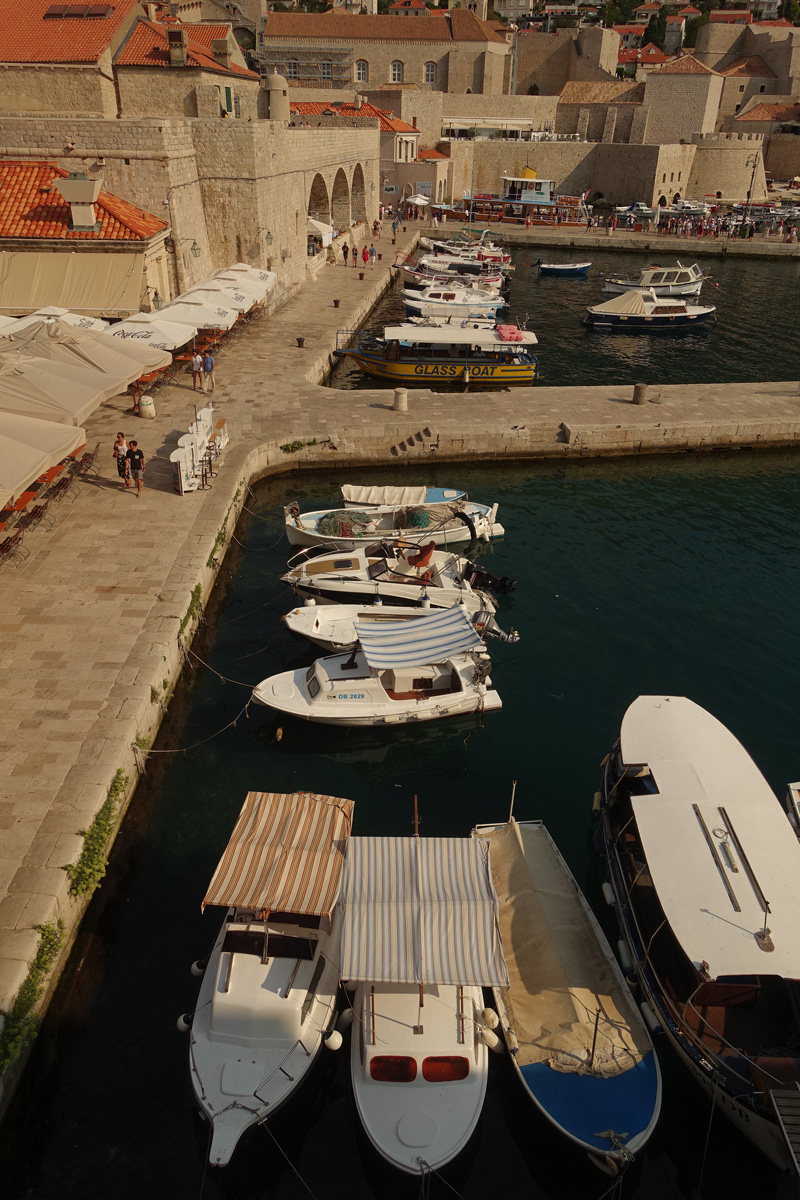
[(684, 277), (670, 276), (658, 277), (283, 945), (312, 683), (725, 993), (244, 941), (445, 1068), (393, 1068)]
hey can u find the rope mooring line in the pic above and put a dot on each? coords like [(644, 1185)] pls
[(264, 1125)]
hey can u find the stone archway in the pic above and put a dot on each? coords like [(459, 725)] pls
[(358, 198), (319, 205), (340, 202), (662, 201), (676, 198)]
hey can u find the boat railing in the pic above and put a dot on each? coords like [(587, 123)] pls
[(357, 339), (281, 1067)]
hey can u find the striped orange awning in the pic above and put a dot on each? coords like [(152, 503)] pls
[(285, 854)]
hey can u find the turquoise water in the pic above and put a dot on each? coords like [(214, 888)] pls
[(675, 575), (750, 340)]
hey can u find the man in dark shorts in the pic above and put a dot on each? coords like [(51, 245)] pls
[(135, 458)]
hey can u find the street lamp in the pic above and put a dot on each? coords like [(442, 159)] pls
[(157, 301), (752, 161), (195, 249), (269, 239)]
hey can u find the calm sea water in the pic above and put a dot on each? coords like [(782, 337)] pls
[(674, 576), (753, 338)]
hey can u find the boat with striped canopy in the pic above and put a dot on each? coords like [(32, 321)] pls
[(422, 670), (269, 988), (420, 938)]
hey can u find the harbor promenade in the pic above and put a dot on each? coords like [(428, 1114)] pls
[(91, 620)]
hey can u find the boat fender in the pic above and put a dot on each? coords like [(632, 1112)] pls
[(597, 800), (624, 956), (608, 895), (345, 1020), (489, 1018), (605, 1163), (310, 602), (199, 967), (184, 1022), (651, 1020), (334, 1040), (426, 602), (490, 1039)]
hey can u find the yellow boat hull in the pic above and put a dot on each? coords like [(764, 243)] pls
[(421, 374)]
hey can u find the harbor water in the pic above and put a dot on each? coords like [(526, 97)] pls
[(653, 576), (753, 337)]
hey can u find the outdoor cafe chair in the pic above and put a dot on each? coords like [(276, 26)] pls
[(61, 489), (36, 516), (88, 462), (11, 547)]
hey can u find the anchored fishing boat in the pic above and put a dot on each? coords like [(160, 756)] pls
[(417, 276), (437, 351), (444, 523), (269, 988), (660, 281), (333, 626), (578, 1042), (356, 495), (636, 312), (565, 269), (397, 573), (425, 670), (419, 938), (704, 877), (453, 301)]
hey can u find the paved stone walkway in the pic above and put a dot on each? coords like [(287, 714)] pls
[(89, 621)]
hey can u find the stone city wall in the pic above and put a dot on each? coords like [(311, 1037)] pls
[(158, 92), (681, 105), (783, 155), (737, 90), (724, 165), (58, 89), (594, 121)]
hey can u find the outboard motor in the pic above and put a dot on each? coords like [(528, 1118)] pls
[(478, 577)]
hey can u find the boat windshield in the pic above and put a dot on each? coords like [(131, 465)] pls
[(312, 681)]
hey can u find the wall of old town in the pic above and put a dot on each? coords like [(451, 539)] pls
[(783, 156), (82, 90), (157, 92), (724, 163), (681, 105)]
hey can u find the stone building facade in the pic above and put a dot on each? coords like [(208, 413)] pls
[(547, 61)]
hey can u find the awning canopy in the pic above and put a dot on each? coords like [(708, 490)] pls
[(420, 910), (189, 310), (353, 493), (260, 283), (285, 854), (320, 229), (217, 291), (418, 199), (429, 639), (628, 302), (91, 282), (28, 447), (151, 329)]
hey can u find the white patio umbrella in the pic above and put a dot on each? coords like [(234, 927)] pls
[(28, 447), (35, 388), (268, 277), (217, 291), (417, 200), (150, 329), (189, 310), (54, 340), (259, 289), (77, 319), (7, 324)]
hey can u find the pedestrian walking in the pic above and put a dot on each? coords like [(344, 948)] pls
[(120, 451), (372, 256), (365, 256), (345, 252), (197, 370), (208, 371), (135, 458), (354, 254)]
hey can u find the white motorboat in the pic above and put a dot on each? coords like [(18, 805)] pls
[(395, 574), (269, 989), (454, 301), (357, 495), (579, 1044), (445, 524), (434, 667), (333, 626), (455, 264), (704, 875), (643, 312), (417, 276), (482, 250), (419, 938), (660, 281)]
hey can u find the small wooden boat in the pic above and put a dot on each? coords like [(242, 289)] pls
[(419, 938), (642, 312), (577, 1040), (333, 626), (567, 269), (270, 986), (426, 670), (446, 523), (396, 573), (453, 300), (433, 351), (660, 281)]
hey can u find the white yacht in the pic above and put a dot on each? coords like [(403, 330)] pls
[(269, 989), (419, 939), (660, 281), (333, 626), (452, 300)]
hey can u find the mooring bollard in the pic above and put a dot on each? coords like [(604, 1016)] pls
[(301, 341), (336, 304), (640, 391), (401, 399), (360, 274)]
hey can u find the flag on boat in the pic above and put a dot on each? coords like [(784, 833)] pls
[(285, 854), (429, 639), (421, 910)]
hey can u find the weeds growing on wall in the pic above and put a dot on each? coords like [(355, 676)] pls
[(86, 873), (19, 1023), (194, 607)]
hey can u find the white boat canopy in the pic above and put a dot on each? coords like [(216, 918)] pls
[(354, 494), (285, 854), (459, 333), (629, 303), (420, 910), (430, 639), (712, 802)]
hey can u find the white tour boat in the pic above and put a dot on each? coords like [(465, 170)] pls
[(662, 281), (396, 573), (445, 524), (453, 301), (579, 1044), (269, 989), (704, 874), (433, 668), (419, 939), (333, 626)]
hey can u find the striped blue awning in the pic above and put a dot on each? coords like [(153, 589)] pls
[(418, 643), (421, 910)]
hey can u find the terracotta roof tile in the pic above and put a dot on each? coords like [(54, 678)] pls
[(459, 26), (753, 65), (771, 112), (431, 154), (621, 91), (147, 46), (29, 37), (731, 16), (406, 4), (31, 207), (687, 65), (647, 55), (389, 123), (623, 29), (689, 11), (781, 21)]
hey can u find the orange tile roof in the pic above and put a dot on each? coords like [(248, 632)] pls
[(647, 55), (784, 24), (389, 123), (771, 112), (622, 91), (623, 29), (687, 65), (406, 4), (30, 207), (457, 26), (147, 46), (29, 37), (752, 65), (431, 154), (731, 16), (689, 11)]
